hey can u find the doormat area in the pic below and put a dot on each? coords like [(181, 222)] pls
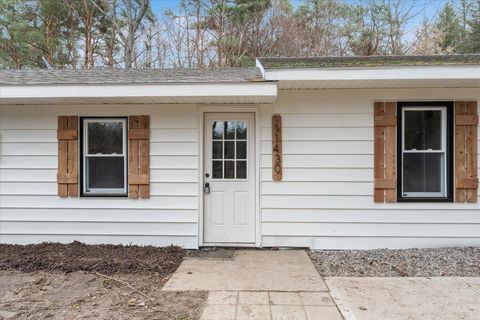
[(211, 254)]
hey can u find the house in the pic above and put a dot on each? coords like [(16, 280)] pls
[(326, 153)]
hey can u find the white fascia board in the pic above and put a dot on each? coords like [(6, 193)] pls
[(257, 89), (376, 73)]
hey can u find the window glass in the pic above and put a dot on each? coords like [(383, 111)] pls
[(217, 130), (423, 130), (105, 173), (217, 169), (229, 149), (217, 149), (230, 130), (422, 172), (241, 169), (241, 150), (105, 137), (241, 130), (229, 170)]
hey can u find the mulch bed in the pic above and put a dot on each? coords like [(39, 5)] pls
[(105, 259), (441, 262)]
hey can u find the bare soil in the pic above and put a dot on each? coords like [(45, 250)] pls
[(82, 295), (440, 262), (76, 256), (78, 281)]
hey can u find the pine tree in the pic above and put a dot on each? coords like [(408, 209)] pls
[(449, 24)]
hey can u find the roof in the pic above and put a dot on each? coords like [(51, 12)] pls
[(128, 76), (367, 61)]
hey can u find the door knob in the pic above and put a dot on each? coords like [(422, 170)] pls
[(206, 188)]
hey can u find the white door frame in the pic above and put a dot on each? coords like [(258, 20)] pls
[(201, 123)]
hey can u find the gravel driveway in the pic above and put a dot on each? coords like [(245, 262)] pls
[(442, 262)]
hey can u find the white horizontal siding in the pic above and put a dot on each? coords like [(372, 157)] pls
[(326, 197), (32, 212), (50, 175)]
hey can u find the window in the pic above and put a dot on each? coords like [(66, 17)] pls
[(229, 150), (104, 150), (425, 151)]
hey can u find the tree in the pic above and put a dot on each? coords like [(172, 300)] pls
[(449, 24), (428, 39)]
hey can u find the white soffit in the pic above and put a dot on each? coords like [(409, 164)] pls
[(376, 77), (254, 92)]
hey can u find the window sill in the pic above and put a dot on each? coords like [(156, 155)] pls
[(106, 195), (424, 199)]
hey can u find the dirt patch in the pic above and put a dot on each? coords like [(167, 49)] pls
[(78, 281), (442, 262), (76, 256), (82, 295), (211, 254)]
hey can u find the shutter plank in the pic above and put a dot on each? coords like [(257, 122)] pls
[(471, 152), (73, 156), (460, 159), (62, 156), (379, 149), (144, 156), (390, 193), (133, 123)]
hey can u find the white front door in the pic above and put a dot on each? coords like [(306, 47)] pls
[(229, 178)]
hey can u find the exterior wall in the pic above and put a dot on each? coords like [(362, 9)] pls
[(326, 197), (31, 211), (324, 201)]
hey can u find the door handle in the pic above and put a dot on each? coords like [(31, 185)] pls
[(206, 188)]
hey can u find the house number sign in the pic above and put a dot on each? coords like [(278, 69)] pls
[(277, 148)]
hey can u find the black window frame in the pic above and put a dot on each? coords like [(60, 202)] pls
[(81, 162), (449, 105)]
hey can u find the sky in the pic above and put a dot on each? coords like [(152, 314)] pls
[(426, 8), (423, 9)]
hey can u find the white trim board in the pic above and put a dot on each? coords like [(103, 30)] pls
[(265, 92)]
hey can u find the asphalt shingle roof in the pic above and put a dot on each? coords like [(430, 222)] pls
[(129, 76), (369, 61)]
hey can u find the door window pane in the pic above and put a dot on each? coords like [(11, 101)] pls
[(241, 130), (423, 130), (423, 172), (241, 150), (229, 170), (230, 130), (105, 173), (229, 150), (241, 169), (105, 137), (217, 149), (217, 167), (217, 130)]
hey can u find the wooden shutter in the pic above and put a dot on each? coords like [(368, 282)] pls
[(385, 122), (67, 175), (466, 123), (139, 156)]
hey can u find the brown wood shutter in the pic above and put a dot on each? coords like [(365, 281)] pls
[(385, 181), (466, 123), (139, 156), (67, 175)]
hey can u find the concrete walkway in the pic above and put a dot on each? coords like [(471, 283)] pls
[(258, 284), (407, 298)]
